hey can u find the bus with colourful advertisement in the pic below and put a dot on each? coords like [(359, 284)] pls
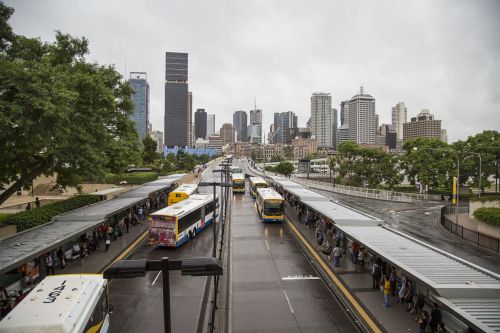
[(270, 205), (175, 225)]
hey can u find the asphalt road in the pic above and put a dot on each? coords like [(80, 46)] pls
[(274, 287), (138, 302)]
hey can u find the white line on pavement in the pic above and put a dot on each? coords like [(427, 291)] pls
[(156, 278), (288, 300)]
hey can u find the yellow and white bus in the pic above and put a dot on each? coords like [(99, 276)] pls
[(183, 192), (61, 304), (256, 182), (238, 183), (235, 169), (270, 205), (177, 224)]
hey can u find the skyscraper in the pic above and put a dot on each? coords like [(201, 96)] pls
[(200, 124), (158, 137), (283, 123), (227, 134), (335, 126), (256, 126), (190, 134), (240, 125), (210, 125), (140, 99), (362, 118), (177, 120), (399, 116), (322, 119), (422, 126)]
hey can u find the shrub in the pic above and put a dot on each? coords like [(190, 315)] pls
[(136, 178), (38, 216), (490, 215), (485, 198)]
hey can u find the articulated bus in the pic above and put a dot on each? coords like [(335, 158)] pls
[(238, 183), (183, 192), (176, 224), (256, 182), (270, 205), (71, 303)]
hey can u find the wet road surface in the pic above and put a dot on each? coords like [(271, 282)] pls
[(274, 288), (138, 302)]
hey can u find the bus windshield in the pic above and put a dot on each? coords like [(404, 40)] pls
[(273, 207), (260, 185)]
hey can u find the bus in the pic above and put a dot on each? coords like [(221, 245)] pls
[(238, 183), (176, 224), (235, 169), (183, 192), (270, 205), (76, 303), (256, 182)]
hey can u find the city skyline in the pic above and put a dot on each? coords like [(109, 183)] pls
[(422, 63)]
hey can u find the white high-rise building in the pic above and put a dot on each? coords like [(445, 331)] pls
[(255, 126), (210, 125), (322, 119), (399, 117), (362, 118)]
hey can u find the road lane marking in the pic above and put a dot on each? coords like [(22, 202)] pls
[(267, 244), (156, 278), (359, 309), (300, 277), (288, 301)]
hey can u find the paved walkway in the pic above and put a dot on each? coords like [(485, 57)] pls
[(394, 318)]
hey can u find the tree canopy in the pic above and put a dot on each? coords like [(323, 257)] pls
[(58, 113), (284, 168)]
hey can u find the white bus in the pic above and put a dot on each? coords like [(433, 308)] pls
[(176, 224), (270, 205), (62, 304), (238, 183)]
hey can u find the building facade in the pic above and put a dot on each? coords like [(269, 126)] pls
[(240, 124), (399, 117), (158, 137), (304, 147), (215, 142), (242, 149), (177, 105), (362, 119), (422, 126), (190, 127), (227, 134), (322, 119), (255, 126), (210, 125), (200, 124), (283, 123), (138, 81)]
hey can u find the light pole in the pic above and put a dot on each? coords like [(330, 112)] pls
[(479, 182), (458, 174)]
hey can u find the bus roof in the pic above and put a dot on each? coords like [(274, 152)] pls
[(182, 208), (256, 180), (59, 304), (188, 188), (269, 193), (238, 176)]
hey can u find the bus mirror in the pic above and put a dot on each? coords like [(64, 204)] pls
[(126, 269), (201, 266)]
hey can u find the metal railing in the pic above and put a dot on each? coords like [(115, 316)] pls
[(479, 239)]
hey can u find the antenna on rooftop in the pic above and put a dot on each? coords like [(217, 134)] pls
[(361, 90)]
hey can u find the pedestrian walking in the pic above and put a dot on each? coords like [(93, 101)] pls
[(435, 318), (419, 305), (109, 232), (422, 322), (108, 243), (37, 203), (361, 258), (83, 254), (62, 257), (127, 223), (49, 263), (393, 279), (355, 251), (387, 290), (337, 254), (376, 274), (28, 206), (402, 290), (326, 248)]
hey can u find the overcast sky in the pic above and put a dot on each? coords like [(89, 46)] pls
[(437, 55)]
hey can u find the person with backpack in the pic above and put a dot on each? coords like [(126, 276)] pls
[(376, 274), (435, 318)]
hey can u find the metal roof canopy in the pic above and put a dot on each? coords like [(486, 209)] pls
[(483, 313), (341, 214), (163, 181), (100, 210), (107, 191), (305, 194), (284, 182), (447, 274), (143, 192), (32, 243)]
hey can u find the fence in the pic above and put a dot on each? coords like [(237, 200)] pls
[(370, 193), (475, 237)]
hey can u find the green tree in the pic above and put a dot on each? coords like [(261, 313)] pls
[(285, 168), (288, 152), (149, 153), (58, 113)]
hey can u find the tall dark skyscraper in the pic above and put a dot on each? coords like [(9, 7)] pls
[(200, 124), (176, 99), (140, 98), (240, 125)]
